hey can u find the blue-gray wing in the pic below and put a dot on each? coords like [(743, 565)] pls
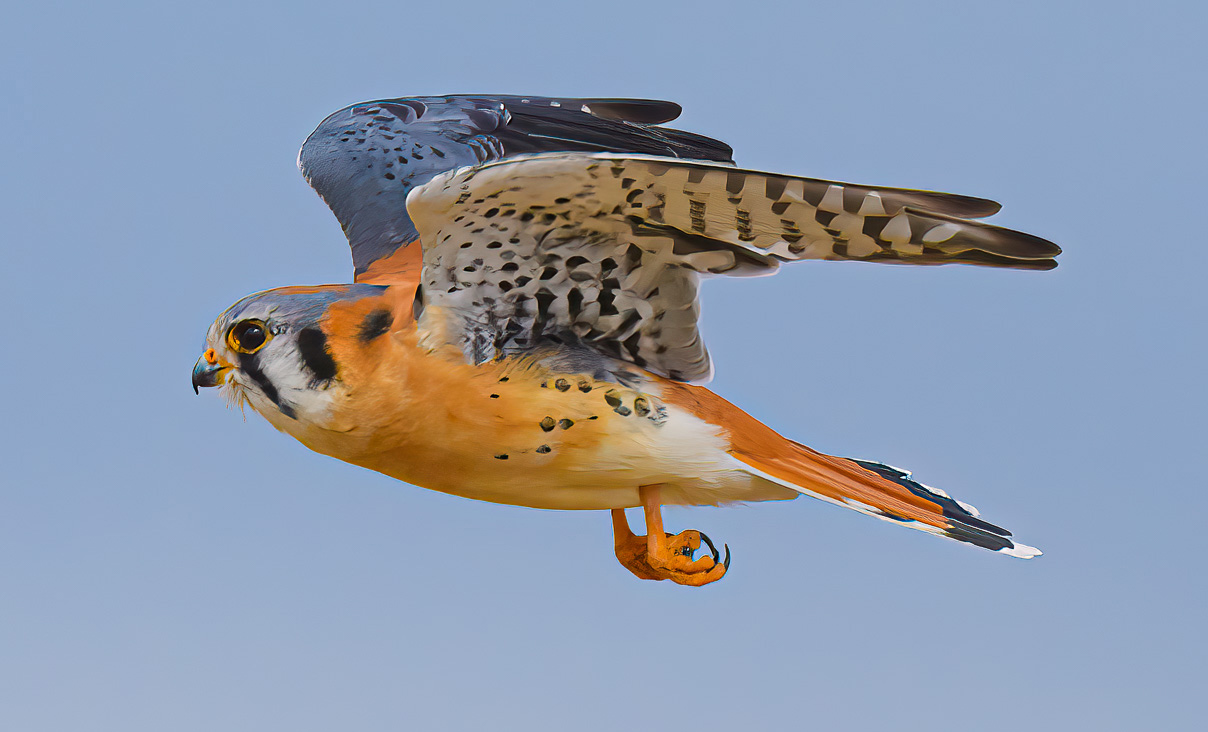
[(364, 159)]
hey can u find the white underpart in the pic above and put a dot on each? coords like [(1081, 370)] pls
[(685, 454)]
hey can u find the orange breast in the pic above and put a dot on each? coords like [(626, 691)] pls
[(509, 431)]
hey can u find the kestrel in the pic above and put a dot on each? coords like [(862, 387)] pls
[(523, 324)]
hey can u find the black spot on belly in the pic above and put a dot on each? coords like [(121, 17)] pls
[(501, 457), (312, 345), (561, 384), (543, 449), (376, 323), (547, 424), (565, 423)]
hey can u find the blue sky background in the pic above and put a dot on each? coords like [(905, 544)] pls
[(166, 565)]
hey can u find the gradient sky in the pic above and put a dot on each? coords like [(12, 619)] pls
[(167, 565)]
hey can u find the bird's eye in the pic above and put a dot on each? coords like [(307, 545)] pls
[(247, 336)]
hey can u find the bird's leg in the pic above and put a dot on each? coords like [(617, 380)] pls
[(630, 549), (658, 555)]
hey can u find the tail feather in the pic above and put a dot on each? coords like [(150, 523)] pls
[(887, 493), (965, 524), (871, 488)]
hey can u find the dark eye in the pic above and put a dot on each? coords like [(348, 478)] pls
[(247, 336)]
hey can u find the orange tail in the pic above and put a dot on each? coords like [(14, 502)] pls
[(868, 487)]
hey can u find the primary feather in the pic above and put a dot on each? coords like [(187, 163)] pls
[(608, 250), (365, 158)]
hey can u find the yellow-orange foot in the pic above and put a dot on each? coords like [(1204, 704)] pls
[(659, 555)]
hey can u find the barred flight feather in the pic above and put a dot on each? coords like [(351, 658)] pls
[(608, 249)]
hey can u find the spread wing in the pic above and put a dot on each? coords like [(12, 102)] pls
[(364, 159), (608, 250)]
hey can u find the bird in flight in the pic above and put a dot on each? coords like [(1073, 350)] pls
[(522, 326)]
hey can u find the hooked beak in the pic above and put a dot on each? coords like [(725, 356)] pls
[(208, 371)]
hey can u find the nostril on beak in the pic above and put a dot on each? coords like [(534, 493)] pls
[(207, 371)]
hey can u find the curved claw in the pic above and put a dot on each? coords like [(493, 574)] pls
[(726, 563), (713, 549)]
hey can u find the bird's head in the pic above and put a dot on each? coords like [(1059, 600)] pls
[(274, 349)]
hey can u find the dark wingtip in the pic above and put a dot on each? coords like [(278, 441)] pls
[(987, 244), (641, 111), (988, 259), (952, 204), (973, 207)]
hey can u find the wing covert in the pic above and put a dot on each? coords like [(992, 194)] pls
[(608, 250), (365, 158)]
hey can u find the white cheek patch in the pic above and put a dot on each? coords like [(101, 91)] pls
[(277, 384), (310, 401)]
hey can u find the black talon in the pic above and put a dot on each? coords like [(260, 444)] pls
[(726, 563), (713, 549)]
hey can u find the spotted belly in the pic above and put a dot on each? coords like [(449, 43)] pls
[(557, 442)]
